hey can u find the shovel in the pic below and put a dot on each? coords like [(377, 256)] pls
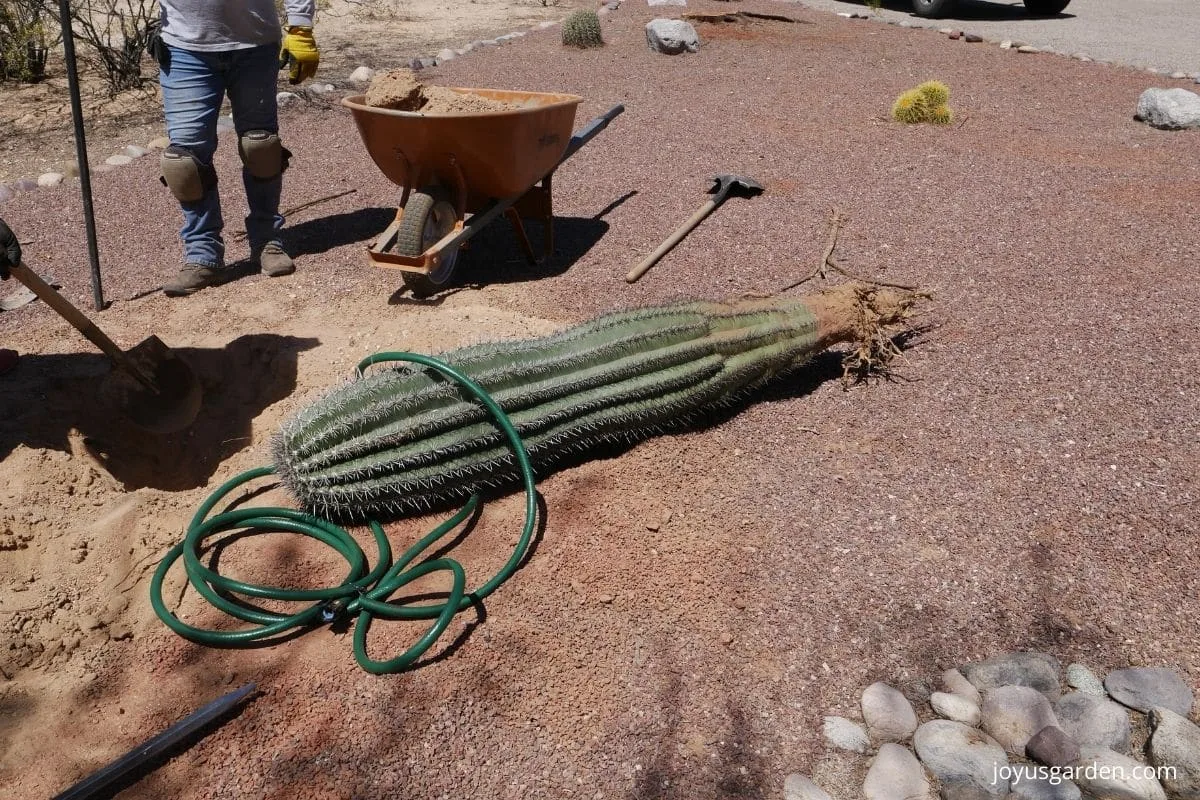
[(157, 389)]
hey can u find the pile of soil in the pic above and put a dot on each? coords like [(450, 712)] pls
[(399, 89)]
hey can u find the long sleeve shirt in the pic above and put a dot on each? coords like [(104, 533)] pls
[(216, 25)]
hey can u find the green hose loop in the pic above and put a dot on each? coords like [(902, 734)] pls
[(365, 593)]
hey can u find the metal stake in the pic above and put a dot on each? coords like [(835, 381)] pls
[(85, 177)]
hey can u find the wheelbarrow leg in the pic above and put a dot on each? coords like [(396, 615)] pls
[(548, 219), (519, 228)]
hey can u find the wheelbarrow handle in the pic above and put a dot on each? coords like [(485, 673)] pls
[(589, 131)]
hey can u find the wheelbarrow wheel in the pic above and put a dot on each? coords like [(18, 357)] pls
[(428, 216)]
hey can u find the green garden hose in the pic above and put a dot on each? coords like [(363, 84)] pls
[(365, 593)]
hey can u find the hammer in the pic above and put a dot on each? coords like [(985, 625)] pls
[(723, 186)]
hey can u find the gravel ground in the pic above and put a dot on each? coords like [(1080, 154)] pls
[(696, 603)]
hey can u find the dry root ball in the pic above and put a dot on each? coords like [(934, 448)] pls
[(400, 90)]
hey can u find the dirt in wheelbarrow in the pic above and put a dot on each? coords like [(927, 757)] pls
[(695, 604), (400, 89)]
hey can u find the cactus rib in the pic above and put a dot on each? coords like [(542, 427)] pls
[(399, 440)]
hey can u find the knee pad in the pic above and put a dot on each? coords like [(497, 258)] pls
[(185, 175), (263, 154)]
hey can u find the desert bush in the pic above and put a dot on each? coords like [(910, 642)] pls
[(113, 35), (22, 40)]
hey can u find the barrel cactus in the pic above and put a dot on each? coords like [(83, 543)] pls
[(935, 93), (910, 107), (582, 29), (399, 440)]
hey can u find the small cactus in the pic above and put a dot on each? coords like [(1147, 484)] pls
[(935, 93), (402, 440), (582, 29), (910, 107), (941, 115), (929, 102)]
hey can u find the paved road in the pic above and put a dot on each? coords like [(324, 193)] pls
[(1163, 34)]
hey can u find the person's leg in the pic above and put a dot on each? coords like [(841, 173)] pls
[(193, 88), (252, 88)]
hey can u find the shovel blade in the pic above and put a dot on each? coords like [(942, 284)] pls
[(171, 402)]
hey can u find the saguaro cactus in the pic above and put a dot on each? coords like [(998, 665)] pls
[(403, 439)]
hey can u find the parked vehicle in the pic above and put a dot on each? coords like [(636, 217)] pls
[(937, 8)]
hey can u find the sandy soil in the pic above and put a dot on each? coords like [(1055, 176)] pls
[(695, 604)]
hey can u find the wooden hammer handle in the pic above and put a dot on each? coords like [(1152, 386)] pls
[(650, 260)]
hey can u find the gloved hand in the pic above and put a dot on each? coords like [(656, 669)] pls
[(10, 250), (299, 52)]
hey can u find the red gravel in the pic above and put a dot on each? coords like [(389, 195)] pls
[(1029, 483)]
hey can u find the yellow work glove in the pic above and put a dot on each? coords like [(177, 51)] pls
[(299, 52)]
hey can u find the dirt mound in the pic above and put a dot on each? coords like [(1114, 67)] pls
[(399, 89)]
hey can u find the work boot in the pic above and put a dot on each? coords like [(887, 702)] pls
[(192, 278), (274, 262)]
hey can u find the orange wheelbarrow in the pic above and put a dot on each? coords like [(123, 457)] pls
[(454, 165)]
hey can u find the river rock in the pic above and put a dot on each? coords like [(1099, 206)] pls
[(162, 142), (1093, 721), (135, 151), (671, 36), (889, 715), (1013, 714), (1105, 775), (955, 707), (6, 193), (362, 74), (798, 787), (1036, 670), (50, 179), (895, 774), (1052, 747), (965, 760), (119, 160), (1081, 678), (1144, 688), (1169, 108), (846, 735), (954, 682), (1036, 787), (1175, 742)]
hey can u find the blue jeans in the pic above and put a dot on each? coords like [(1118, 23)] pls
[(193, 86)]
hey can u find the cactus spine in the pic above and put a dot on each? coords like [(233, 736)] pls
[(399, 440), (582, 29)]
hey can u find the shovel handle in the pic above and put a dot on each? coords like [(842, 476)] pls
[(78, 321), (683, 230)]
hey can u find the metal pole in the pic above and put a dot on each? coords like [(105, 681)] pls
[(99, 783), (85, 176)]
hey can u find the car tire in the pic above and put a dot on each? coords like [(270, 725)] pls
[(1046, 8), (931, 8)]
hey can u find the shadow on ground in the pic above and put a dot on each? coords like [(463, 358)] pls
[(47, 397)]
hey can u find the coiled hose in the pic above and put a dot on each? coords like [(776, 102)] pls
[(365, 593)]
